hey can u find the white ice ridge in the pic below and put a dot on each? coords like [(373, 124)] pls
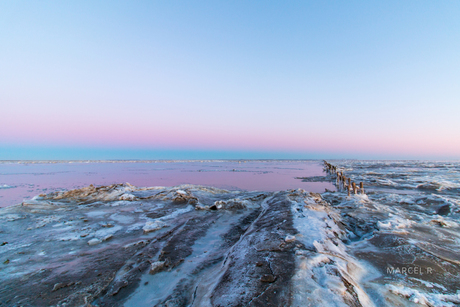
[(326, 274)]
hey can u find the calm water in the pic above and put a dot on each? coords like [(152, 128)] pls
[(21, 181)]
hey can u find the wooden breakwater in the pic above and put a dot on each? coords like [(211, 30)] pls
[(342, 182)]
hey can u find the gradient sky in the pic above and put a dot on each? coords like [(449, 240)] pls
[(229, 79)]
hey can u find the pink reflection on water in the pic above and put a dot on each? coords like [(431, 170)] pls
[(23, 181)]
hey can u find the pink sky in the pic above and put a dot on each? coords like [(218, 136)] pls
[(331, 78)]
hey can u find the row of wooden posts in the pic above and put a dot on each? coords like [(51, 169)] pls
[(342, 181)]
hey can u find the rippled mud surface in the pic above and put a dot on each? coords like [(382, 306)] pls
[(189, 245)]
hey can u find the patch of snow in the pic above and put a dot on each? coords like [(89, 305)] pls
[(134, 227), (108, 231), (94, 242), (427, 299), (127, 196), (123, 219), (395, 222), (153, 225)]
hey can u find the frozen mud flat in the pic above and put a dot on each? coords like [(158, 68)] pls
[(405, 228), (121, 245)]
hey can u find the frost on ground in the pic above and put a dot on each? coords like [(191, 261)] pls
[(405, 231), (121, 245)]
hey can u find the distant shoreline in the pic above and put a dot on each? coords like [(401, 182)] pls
[(204, 160), (152, 161)]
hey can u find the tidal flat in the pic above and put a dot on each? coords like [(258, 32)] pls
[(397, 244)]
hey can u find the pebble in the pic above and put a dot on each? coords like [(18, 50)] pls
[(156, 266), (267, 278)]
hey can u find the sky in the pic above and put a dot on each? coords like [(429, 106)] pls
[(229, 79)]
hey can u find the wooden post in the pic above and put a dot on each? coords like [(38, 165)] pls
[(354, 188), (361, 187), (348, 190)]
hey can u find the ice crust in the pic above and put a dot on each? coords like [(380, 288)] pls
[(122, 245), (404, 230)]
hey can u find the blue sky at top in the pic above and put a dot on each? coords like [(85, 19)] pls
[(300, 79)]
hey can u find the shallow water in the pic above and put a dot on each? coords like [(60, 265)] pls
[(22, 180)]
